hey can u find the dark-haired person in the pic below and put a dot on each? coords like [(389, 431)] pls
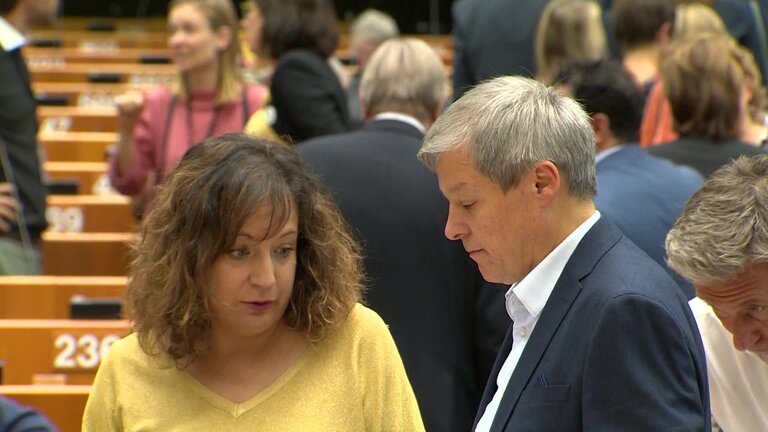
[(244, 296), (300, 35), (641, 194), (18, 418), (22, 193)]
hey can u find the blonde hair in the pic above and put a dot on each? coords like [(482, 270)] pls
[(219, 13), (696, 18), (568, 31), (383, 88), (704, 76)]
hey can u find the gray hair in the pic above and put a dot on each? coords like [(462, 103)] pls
[(508, 124), (374, 26), (724, 227), (383, 88)]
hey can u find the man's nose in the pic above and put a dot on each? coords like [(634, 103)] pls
[(455, 229), (746, 332)]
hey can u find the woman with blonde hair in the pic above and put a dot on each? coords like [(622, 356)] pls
[(207, 97), (708, 80), (568, 31)]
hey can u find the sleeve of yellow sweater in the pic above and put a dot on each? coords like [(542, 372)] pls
[(388, 398), (101, 410)]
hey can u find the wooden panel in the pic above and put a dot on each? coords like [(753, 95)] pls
[(103, 41), (85, 254), (43, 56), (47, 297), (71, 349), (62, 404), (90, 213), (77, 146), (84, 93), (84, 72), (77, 119), (89, 175)]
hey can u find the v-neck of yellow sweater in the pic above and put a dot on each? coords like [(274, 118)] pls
[(237, 409)]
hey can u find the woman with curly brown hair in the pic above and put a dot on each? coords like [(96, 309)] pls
[(244, 296)]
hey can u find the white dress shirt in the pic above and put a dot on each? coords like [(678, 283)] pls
[(738, 380), (10, 38), (525, 301)]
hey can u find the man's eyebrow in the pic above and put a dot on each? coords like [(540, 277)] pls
[(456, 187)]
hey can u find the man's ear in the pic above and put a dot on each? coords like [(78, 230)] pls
[(547, 180), (601, 124)]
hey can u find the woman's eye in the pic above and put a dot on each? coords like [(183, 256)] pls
[(239, 252), (284, 251), (467, 205)]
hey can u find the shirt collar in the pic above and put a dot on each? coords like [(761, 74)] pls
[(10, 38), (405, 118), (607, 152), (536, 287)]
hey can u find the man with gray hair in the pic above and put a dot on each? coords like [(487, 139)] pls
[(369, 30), (602, 338), (720, 244), (447, 323)]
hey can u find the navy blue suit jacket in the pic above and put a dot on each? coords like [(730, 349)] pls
[(492, 38), (616, 348), (644, 195), (447, 323)]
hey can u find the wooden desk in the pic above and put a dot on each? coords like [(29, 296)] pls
[(87, 174), (73, 55), (82, 72), (71, 348), (84, 93), (90, 213), (47, 297), (62, 404), (76, 146), (90, 40), (77, 118), (85, 254)]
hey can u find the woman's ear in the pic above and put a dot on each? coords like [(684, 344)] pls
[(223, 38)]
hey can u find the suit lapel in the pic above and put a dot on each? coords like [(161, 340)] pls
[(490, 385), (595, 243)]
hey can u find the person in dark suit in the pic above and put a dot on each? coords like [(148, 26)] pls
[(300, 35), (602, 338), (641, 194), (22, 192), (447, 326), (492, 38), (707, 82), (18, 418)]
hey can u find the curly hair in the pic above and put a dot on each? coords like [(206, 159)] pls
[(196, 216), (724, 227)]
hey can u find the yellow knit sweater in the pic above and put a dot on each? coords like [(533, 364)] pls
[(353, 380)]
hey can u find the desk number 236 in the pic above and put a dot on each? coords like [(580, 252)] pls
[(83, 352)]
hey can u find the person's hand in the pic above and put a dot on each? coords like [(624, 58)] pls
[(8, 207), (129, 105)]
